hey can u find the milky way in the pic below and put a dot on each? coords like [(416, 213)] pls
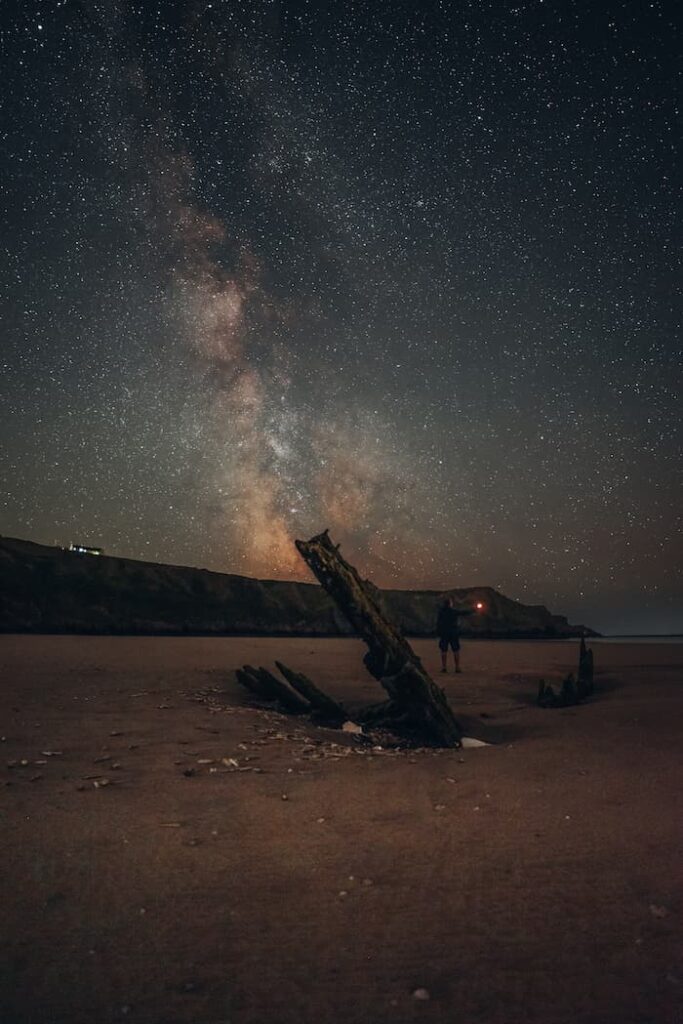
[(403, 270)]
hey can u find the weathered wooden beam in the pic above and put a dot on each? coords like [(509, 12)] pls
[(390, 658), (268, 687), (289, 700), (326, 707)]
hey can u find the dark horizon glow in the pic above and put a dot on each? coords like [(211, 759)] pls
[(406, 271)]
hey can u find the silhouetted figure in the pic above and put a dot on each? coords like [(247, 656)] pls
[(448, 633)]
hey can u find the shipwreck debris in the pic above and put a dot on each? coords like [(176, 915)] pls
[(572, 691), (328, 709), (416, 703), (298, 696), (416, 707), (264, 685)]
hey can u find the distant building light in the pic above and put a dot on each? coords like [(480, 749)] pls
[(84, 549)]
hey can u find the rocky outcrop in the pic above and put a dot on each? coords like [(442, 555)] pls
[(50, 590)]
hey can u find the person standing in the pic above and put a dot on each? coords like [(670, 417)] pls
[(448, 632)]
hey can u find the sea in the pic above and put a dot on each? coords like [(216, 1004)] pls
[(675, 638)]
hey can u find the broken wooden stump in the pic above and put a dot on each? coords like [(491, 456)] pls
[(567, 695), (416, 698), (572, 691)]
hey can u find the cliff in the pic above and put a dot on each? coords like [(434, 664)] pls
[(50, 590)]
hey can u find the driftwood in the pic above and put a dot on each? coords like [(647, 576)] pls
[(572, 691), (414, 698)]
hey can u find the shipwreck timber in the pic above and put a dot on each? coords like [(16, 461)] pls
[(572, 691), (414, 698), (416, 707)]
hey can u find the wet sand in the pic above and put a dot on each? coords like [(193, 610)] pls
[(533, 880)]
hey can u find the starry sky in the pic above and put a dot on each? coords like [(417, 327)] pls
[(403, 270)]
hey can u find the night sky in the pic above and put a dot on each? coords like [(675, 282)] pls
[(404, 270)]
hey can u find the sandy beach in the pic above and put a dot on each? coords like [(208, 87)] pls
[(174, 855)]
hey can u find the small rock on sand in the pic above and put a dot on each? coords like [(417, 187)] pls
[(422, 995)]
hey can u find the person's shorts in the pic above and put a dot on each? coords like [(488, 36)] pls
[(449, 641)]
